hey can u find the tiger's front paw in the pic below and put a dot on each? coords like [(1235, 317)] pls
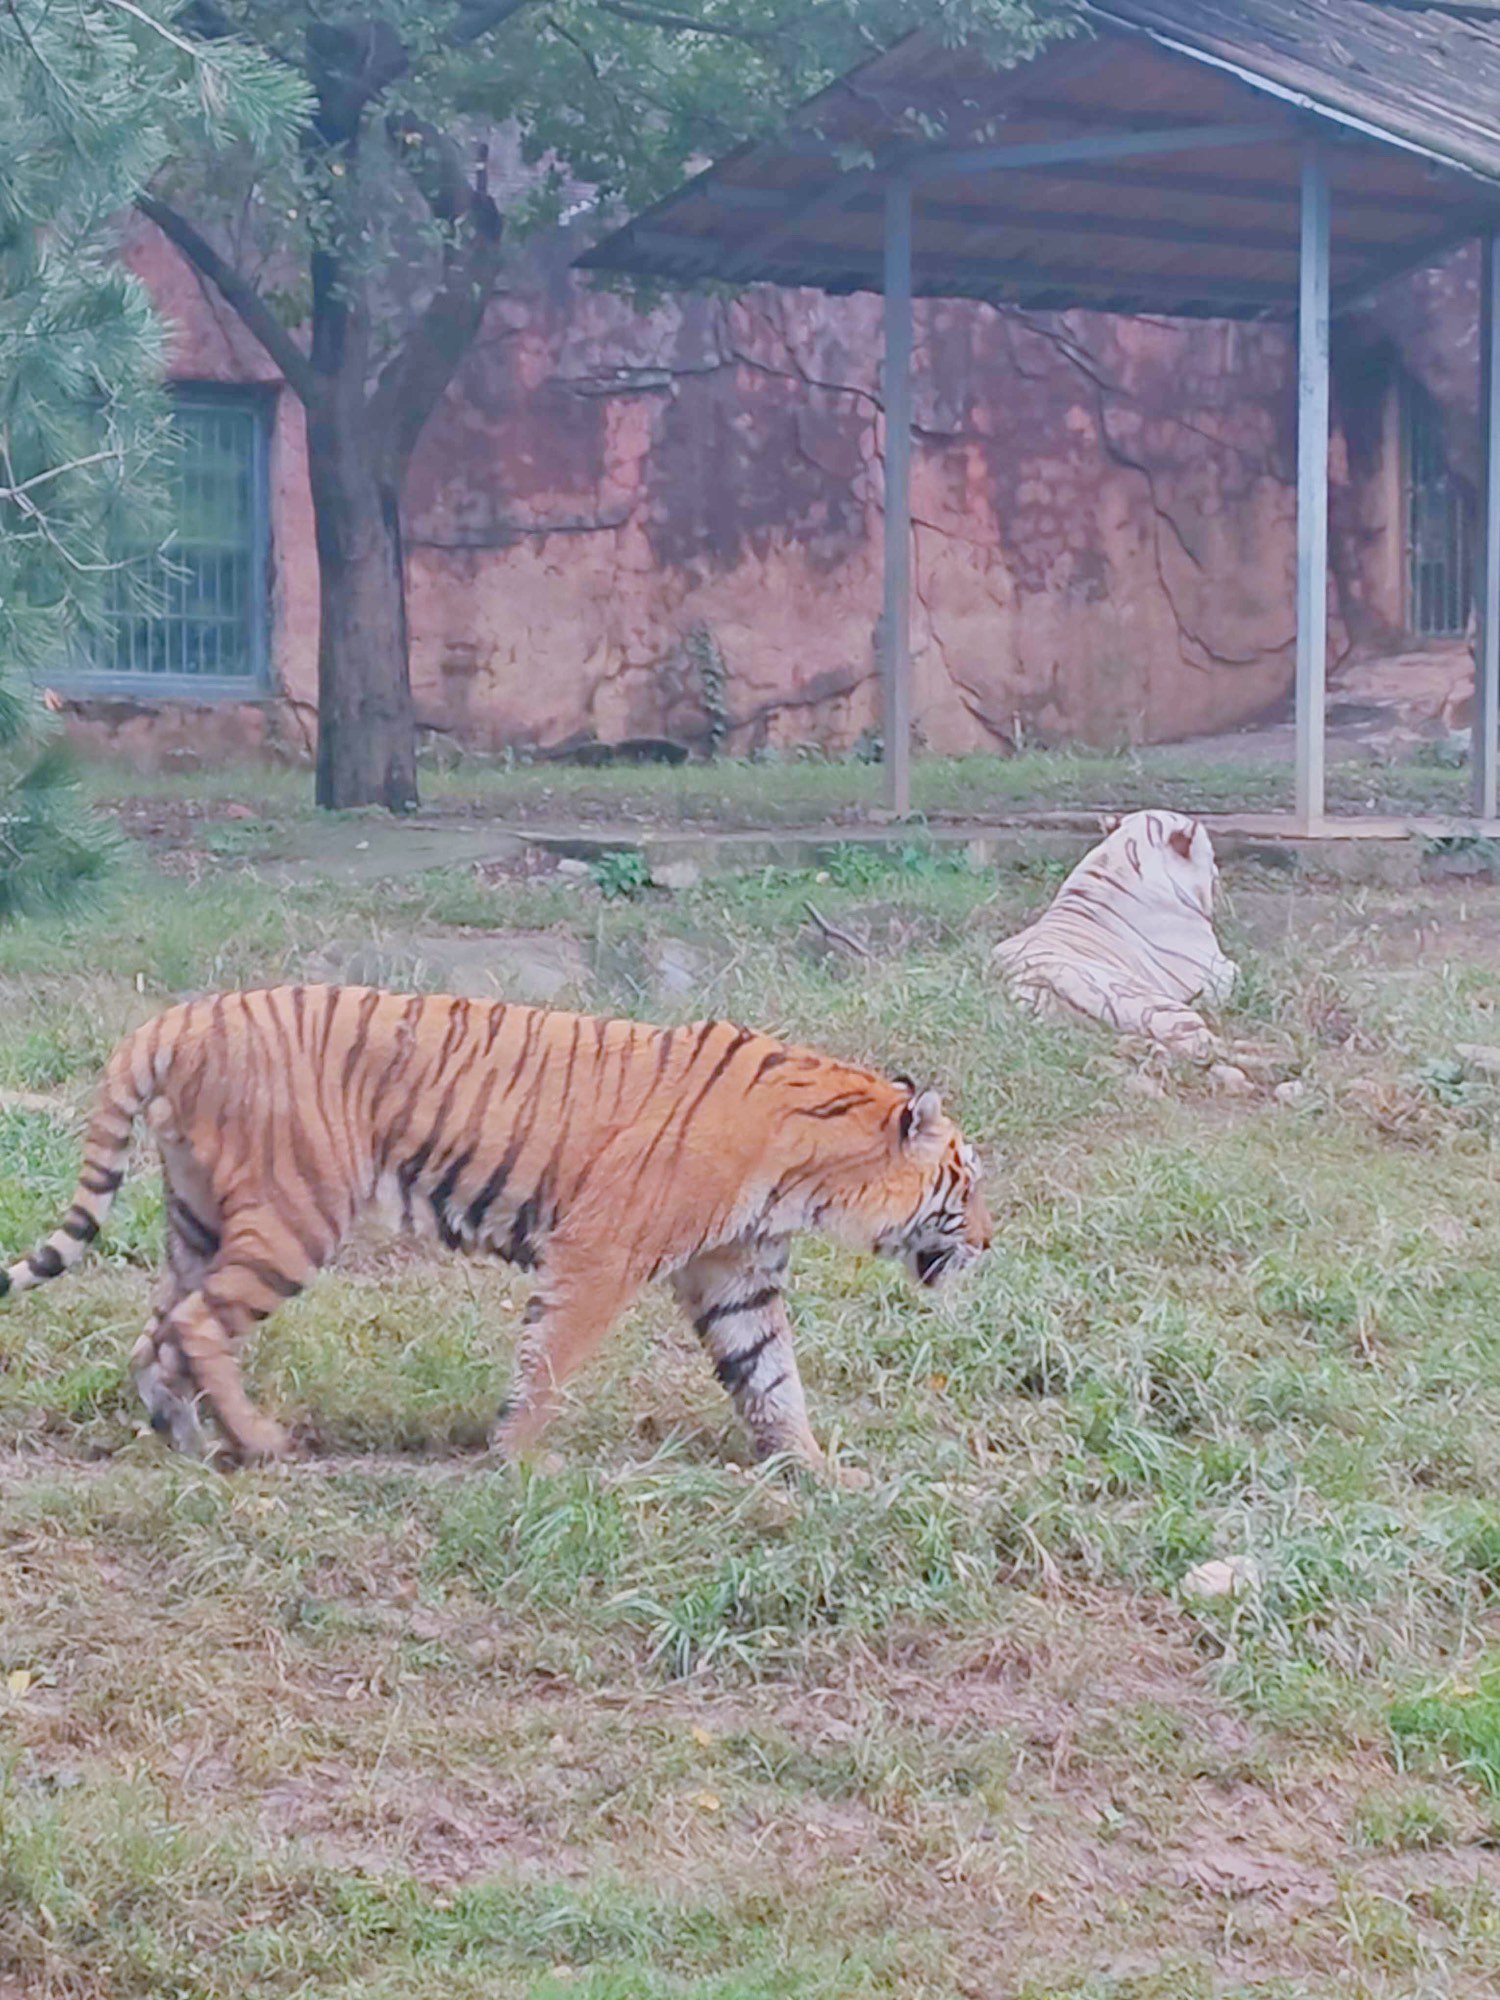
[(261, 1443)]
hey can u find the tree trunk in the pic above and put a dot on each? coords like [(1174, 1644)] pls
[(366, 725)]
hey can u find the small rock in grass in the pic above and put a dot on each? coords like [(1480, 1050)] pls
[(1291, 1092), (1229, 1576), (571, 865), (1144, 1084), (1230, 1080), (678, 875)]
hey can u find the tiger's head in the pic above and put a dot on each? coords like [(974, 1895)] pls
[(936, 1220)]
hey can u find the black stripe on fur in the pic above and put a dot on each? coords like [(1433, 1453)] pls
[(735, 1370), (756, 1302)]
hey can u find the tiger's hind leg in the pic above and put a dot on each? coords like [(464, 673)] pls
[(161, 1378), (734, 1299), (192, 1241), (242, 1284)]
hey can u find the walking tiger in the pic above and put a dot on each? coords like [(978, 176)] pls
[(600, 1153)]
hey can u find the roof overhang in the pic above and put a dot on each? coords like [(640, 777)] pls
[(1153, 166)]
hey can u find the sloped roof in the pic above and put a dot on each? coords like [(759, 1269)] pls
[(1424, 75), (1205, 222)]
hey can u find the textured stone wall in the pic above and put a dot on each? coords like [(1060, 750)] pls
[(608, 499), (1103, 507)]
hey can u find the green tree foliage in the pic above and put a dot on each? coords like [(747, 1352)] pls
[(364, 259), (90, 92)]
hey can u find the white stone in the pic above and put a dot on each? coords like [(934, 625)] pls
[(1229, 1576), (678, 875), (1144, 1084), (1230, 1080)]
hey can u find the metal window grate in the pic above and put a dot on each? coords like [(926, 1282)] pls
[(194, 620), (1439, 527)]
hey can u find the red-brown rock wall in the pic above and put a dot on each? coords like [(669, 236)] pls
[(1103, 543), (1104, 508)]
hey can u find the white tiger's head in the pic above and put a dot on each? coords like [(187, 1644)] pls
[(1158, 856)]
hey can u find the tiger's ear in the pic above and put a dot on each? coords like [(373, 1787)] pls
[(921, 1118)]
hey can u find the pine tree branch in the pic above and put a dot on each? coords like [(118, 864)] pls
[(156, 27), (15, 491), (237, 292), (58, 472)]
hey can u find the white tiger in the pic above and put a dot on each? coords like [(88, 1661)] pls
[(1129, 938)]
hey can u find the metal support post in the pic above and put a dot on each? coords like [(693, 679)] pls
[(1486, 746), (1312, 491), (896, 389)]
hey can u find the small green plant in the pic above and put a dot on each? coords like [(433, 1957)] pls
[(622, 872), (1398, 1817), (1461, 1724), (1446, 1079)]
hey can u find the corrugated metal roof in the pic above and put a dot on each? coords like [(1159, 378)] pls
[(1408, 96)]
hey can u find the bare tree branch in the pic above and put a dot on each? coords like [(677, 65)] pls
[(237, 292), (480, 19), (413, 380), (436, 164), (836, 936), (681, 24), (386, 60)]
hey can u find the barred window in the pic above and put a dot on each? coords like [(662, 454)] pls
[(195, 622), (1439, 526)]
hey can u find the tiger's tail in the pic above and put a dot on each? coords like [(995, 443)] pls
[(128, 1087)]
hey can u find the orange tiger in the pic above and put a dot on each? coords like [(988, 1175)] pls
[(601, 1153)]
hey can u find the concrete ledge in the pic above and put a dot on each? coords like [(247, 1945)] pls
[(1373, 850)]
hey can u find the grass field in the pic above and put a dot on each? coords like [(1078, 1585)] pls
[(799, 791), (392, 1721)]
